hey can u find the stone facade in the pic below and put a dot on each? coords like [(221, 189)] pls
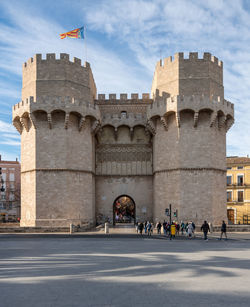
[(79, 152)]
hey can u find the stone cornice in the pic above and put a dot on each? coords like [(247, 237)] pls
[(58, 170), (190, 169)]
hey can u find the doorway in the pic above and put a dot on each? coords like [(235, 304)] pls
[(124, 210), (230, 216)]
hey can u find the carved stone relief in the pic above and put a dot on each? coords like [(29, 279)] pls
[(124, 160)]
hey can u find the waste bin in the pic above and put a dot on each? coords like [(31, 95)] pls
[(173, 230), (71, 228)]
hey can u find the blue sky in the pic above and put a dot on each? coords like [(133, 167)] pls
[(124, 41)]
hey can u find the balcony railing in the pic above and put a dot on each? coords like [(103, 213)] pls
[(239, 200), (236, 185)]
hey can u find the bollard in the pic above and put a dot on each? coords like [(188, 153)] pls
[(71, 229), (106, 227), (211, 227)]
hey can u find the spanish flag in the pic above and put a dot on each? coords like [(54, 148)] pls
[(77, 33)]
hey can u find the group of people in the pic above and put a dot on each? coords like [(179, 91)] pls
[(174, 228), (147, 227), (168, 229)]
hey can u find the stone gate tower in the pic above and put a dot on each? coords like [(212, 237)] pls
[(56, 119), (79, 153), (189, 119)]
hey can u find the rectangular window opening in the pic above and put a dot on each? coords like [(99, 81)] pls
[(229, 180), (240, 180), (240, 196), (229, 196)]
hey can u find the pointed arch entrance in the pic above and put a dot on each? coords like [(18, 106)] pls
[(124, 210)]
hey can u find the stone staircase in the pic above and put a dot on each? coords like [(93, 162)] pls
[(122, 228)]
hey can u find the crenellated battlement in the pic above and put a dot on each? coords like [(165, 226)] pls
[(53, 102), (58, 76), (195, 102), (189, 76), (124, 99), (26, 110), (215, 107), (192, 57), (51, 58)]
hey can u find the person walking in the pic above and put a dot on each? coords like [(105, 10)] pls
[(164, 227), (159, 228), (145, 226), (193, 224), (137, 227), (190, 230), (177, 229), (168, 229), (205, 228), (186, 228), (223, 230), (182, 227), (140, 228), (149, 228)]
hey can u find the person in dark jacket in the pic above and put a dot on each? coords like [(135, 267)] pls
[(223, 230), (140, 228), (159, 228), (205, 228)]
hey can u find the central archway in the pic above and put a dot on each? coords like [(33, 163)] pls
[(124, 210)]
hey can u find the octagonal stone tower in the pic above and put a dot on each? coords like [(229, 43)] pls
[(57, 119), (189, 119)]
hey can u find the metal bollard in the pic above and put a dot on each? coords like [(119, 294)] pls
[(106, 227)]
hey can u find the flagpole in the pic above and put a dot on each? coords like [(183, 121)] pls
[(85, 44)]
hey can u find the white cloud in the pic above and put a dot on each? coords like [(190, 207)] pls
[(8, 135), (11, 136), (6, 127), (10, 142)]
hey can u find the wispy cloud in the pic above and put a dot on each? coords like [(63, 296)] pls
[(6, 127), (11, 136), (10, 142)]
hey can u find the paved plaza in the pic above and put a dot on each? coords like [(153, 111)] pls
[(64, 270)]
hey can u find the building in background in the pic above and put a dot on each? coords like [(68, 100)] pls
[(10, 190), (238, 190)]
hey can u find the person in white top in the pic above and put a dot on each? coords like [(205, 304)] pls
[(190, 230)]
